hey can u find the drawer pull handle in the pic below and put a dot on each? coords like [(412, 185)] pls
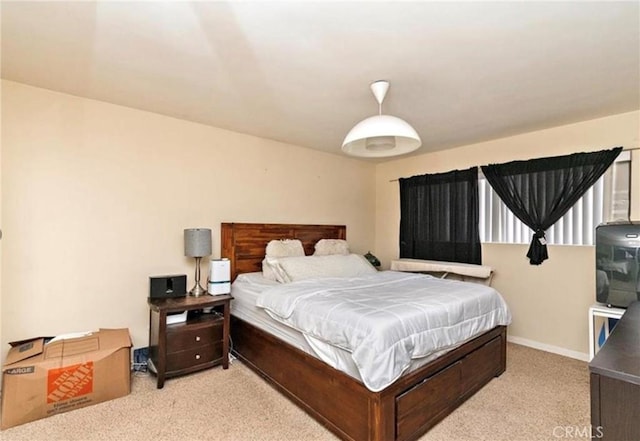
[(197, 356), (197, 338)]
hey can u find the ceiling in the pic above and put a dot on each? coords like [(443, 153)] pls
[(299, 72)]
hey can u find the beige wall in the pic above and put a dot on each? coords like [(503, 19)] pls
[(95, 198), (549, 302), (1, 226)]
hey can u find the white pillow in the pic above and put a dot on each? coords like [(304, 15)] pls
[(267, 270), (255, 279), (291, 269), (326, 247), (275, 270), (284, 248), (280, 248)]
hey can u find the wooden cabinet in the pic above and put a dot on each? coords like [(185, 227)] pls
[(615, 382), (200, 342)]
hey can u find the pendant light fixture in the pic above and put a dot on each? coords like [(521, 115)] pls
[(381, 135)]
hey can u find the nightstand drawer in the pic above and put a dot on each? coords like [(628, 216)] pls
[(193, 357), (182, 337)]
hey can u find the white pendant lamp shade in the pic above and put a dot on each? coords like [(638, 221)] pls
[(381, 135)]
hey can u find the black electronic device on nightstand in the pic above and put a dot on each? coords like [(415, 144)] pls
[(163, 287)]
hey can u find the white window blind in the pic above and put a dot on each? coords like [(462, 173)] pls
[(607, 200)]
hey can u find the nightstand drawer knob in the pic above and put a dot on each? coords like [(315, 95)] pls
[(197, 356), (197, 338)]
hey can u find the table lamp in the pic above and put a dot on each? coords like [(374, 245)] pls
[(197, 243)]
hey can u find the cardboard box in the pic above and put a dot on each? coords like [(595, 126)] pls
[(42, 378)]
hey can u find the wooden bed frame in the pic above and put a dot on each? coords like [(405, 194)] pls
[(404, 410)]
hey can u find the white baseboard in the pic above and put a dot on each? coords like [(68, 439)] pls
[(548, 348)]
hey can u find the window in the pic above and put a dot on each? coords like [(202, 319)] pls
[(607, 200), (439, 217)]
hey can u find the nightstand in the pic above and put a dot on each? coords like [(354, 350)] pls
[(200, 342)]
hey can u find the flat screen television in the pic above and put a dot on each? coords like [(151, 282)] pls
[(618, 263)]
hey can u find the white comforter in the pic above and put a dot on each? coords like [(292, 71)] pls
[(388, 318)]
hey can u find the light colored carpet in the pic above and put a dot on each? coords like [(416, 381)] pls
[(540, 396)]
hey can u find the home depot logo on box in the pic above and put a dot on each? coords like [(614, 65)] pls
[(69, 382)]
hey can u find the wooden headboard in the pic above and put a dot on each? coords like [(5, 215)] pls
[(244, 243)]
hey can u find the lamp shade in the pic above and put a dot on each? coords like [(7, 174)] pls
[(197, 242), (381, 136)]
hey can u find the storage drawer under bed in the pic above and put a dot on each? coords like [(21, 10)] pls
[(428, 402)]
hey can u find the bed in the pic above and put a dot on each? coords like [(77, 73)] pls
[(404, 410)]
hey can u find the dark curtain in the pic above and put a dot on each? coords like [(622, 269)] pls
[(541, 191), (439, 217)]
